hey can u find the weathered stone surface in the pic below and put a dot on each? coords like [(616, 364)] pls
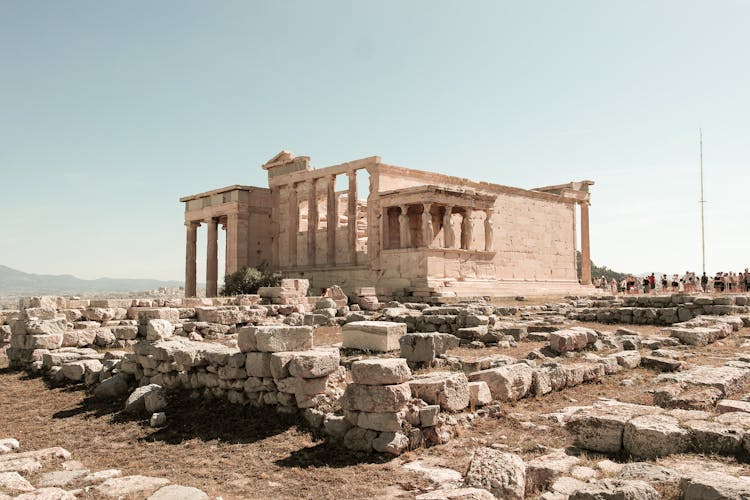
[(155, 400), (258, 364), (541, 471), (502, 474), (376, 398), (314, 364), (177, 492), (130, 486), (283, 338), (450, 390), (568, 340), (507, 383), (424, 347), (13, 482), (714, 437), (136, 402), (601, 428), (279, 364), (456, 494), (389, 421), (336, 425), (628, 359), (380, 371), (159, 329), (60, 478), (652, 436), (714, 485), (479, 394), (377, 336), (730, 405), (616, 489), (51, 493), (359, 439), (651, 473), (725, 378), (661, 364), (390, 442)]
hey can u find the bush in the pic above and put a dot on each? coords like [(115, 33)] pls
[(248, 279)]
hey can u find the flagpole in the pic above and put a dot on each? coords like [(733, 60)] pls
[(703, 202)]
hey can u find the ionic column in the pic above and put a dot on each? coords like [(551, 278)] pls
[(332, 222), (293, 223), (403, 226), (352, 215), (448, 232), (232, 263), (427, 231), (190, 264), (467, 229), (212, 258), (312, 222), (585, 250), (489, 231)]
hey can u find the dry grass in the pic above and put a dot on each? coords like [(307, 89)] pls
[(223, 449)]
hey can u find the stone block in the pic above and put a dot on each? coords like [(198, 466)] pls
[(651, 436), (394, 443), (506, 383), (730, 405), (424, 347), (388, 421), (359, 439), (279, 364), (601, 428), (258, 364), (159, 329), (714, 437), (376, 398), (568, 340), (380, 371), (714, 485), (76, 370), (283, 338), (615, 489), (502, 474), (479, 394), (450, 390), (377, 336), (314, 363)]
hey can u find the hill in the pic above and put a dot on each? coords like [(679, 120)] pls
[(14, 282)]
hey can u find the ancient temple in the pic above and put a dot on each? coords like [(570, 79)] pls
[(413, 233)]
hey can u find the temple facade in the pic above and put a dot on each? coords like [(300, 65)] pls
[(412, 233)]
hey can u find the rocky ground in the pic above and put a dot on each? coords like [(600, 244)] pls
[(681, 410)]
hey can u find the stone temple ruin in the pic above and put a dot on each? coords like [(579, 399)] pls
[(417, 234), (403, 355)]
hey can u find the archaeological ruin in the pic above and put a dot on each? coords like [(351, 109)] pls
[(417, 234)]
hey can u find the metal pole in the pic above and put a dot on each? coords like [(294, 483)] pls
[(703, 231)]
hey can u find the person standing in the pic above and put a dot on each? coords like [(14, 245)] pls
[(652, 283), (704, 282)]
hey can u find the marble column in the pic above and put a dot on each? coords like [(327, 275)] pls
[(489, 231), (427, 230), (585, 250), (190, 256), (352, 217), (403, 226), (212, 258), (467, 230), (312, 222), (332, 220), (293, 223), (448, 232)]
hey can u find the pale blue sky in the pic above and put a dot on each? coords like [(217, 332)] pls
[(113, 110)]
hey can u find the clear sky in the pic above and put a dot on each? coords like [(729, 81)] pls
[(110, 111)]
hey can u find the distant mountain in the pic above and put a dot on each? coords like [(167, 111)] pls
[(14, 282)]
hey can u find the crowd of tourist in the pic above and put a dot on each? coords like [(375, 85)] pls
[(689, 282)]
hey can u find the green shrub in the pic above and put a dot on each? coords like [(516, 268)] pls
[(248, 279)]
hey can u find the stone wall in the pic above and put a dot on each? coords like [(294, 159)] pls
[(656, 309)]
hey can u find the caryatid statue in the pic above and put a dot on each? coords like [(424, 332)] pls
[(489, 232), (450, 235), (427, 231)]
